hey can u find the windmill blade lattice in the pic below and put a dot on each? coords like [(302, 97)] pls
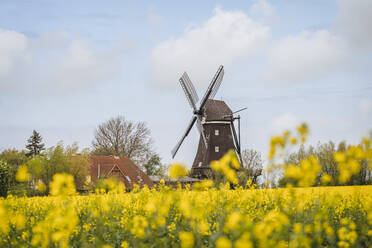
[(189, 90), (175, 149), (216, 80), (215, 122), (217, 85), (190, 87)]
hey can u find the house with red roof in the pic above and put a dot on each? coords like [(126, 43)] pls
[(120, 167)]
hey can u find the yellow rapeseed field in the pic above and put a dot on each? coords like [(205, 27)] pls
[(209, 217), (205, 216)]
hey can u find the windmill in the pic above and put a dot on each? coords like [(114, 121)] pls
[(215, 122)]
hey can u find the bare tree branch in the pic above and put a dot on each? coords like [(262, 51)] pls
[(124, 138)]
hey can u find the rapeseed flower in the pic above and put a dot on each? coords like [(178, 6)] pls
[(223, 242), (220, 217), (187, 239), (22, 174), (177, 170), (138, 226), (62, 184)]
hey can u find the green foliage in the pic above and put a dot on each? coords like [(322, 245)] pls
[(5, 174), (14, 159), (154, 166), (59, 159), (34, 145), (78, 164)]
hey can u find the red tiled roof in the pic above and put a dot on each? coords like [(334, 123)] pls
[(121, 167)]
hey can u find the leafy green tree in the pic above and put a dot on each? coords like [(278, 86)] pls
[(5, 174), (59, 159), (154, 166), (14, 159), (78, 164), (34, 145)]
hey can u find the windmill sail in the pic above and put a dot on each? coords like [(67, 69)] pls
[(189, 90), (217, 85), (216, 80), (190, 87), (215, 123), (236, 141), (175, 149)]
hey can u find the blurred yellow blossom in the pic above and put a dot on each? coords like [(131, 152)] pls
[(187, 239), (62, 184), (138, 226), (326, 179), (223, 242), (303, 130), (177, 170), (124, 244), (306, 173), (40, 186), (22, 174)]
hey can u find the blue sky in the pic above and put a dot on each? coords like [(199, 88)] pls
[(67, 66)]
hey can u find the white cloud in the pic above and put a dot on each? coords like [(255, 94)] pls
[(307, 56), (81, 66), (52, 40), (223, 39), (264, 12), (13, 50), (284, 122), (354, 21), (56, 63)]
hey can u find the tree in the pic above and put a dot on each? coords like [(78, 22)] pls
[(154, 166), (297, 156), (14, 159), (78, 164), (59, 159), (118, 136), (5, 174), (34, 144), (325, 156), (252, 166)]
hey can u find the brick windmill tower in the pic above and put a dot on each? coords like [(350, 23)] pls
[(215, 122)]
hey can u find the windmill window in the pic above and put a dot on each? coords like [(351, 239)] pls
[(200, 164), (128, 179), (216, 132), (217, 149)]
